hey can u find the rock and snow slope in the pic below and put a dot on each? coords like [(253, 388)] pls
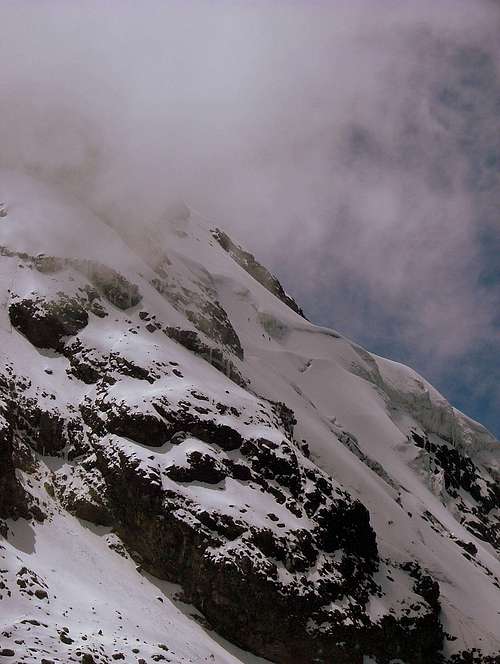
[(191, 471)]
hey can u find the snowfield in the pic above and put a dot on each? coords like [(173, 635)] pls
[(191, 471)]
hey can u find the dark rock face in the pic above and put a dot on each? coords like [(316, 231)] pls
[(396, 639), (89, 365), (474, 656), (45, 323), (286, 416), (90, 510), (347, 526), (424, 584), (192, 341), (85, 364), (230, 569), (116, 288), (34, 422), (127, 368), (144, 428), (47, 431), (249, 263), (200, 468), (13, 499), (211, 319), (156, 428), (180, 541), (281, 584), (86, 498), (273, 462), (461, 474), (202, 309)]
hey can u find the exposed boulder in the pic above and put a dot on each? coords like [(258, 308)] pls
[(199, 468), (346, 525), (45, 323)]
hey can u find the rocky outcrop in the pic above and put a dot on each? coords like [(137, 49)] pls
[(239, 574), (455, 476), (191, 340), (83, 494), (15, 456), (45, 323), (474, 656), (116, 288), (145, 428), (248, 262), (203, 310), (46, 429), (199, 468), (13, 499), (159, 425), (85, 363)]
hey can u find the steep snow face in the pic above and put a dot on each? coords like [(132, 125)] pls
[(191, 471)]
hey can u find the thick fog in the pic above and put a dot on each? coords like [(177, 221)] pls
[(353, 145)]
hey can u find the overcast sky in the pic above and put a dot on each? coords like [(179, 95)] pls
[(353, 145)]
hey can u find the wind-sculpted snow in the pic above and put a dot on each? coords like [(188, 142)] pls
[(190, 471)]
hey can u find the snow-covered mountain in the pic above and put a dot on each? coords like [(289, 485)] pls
[(193, 472)]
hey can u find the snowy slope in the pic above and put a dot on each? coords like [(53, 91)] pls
[(186, 459)]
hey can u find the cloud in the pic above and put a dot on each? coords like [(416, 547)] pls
[(353, 145)]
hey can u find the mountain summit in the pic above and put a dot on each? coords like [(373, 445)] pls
[(193, 472)]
